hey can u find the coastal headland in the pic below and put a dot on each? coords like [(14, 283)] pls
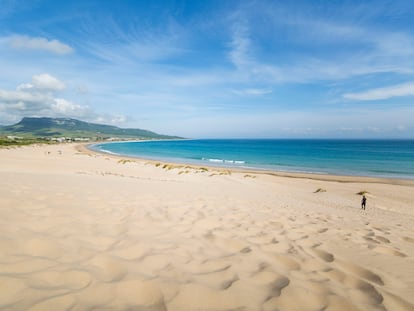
[(82, 230)]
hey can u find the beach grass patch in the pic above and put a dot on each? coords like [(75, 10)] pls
[(249, 176), (220, 173), (169, 167), (183, 172), (123, 161), (319, 190)]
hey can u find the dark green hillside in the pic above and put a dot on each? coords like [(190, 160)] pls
[(72, 128)]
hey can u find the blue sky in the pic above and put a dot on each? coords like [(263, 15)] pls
[(213, 68)]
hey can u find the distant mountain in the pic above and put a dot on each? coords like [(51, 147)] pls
[(66, 127)]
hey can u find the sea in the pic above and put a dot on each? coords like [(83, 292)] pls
[(356, 157)]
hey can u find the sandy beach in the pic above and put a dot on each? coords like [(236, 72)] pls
[(87, 231)]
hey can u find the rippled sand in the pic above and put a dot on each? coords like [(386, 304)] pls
[(84, 231)]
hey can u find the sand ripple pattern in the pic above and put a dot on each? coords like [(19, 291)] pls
[(132, 249)]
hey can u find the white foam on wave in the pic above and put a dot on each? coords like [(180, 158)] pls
[(110, 152), (224, 161)]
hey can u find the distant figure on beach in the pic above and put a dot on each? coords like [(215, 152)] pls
[(363, 201)]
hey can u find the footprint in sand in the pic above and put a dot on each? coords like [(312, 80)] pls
[(362, 291), (361, 272), (246, 250), (281, 247), (328, 257), (271, 280), (296, 297), (286, 262), (408, 239), (368, 239), (382, 239), (334, 274), (388, 251)]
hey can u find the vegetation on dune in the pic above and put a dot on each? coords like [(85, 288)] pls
[(123, 161), (7, 142)]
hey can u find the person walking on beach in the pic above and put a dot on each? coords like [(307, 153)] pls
[(363, 201)]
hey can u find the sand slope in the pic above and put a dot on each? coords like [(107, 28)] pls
[(85, 231)]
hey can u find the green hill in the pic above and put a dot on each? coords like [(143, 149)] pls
[(72, 128)]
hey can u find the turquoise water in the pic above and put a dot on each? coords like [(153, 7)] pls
[(377, 158)]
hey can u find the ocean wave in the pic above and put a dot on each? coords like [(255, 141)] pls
[(110, 152), (224, 161)]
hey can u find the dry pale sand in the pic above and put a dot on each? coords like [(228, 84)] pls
[(86, 231)]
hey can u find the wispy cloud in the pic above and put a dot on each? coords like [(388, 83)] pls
[(253, 91), (406, 89), (240, 45), (39, 43), (359, 48)]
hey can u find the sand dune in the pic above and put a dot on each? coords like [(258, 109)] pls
[(85, 231)]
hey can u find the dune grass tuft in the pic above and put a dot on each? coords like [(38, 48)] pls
[(249, 176), (123, 161)]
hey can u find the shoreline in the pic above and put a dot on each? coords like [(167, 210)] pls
[(313, 176)]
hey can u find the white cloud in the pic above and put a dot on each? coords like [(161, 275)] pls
[(43, 44), (37, 99), (21, 95), (25, 86), (47, 82), (42, 82), (65, 107), (406, 89)]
